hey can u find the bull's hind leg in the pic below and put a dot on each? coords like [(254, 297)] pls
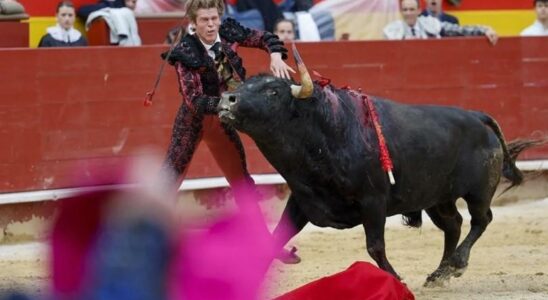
[(479, 208), (448, 219), (485, 171)]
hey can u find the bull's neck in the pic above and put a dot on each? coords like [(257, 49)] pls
[(313, 128)]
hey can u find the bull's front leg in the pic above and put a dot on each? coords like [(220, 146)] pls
[(292, 222), (374, 214)]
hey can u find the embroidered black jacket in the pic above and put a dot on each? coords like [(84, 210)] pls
[(199, 82)]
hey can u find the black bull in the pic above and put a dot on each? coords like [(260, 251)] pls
[(326, 149)]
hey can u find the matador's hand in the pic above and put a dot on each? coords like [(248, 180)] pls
[(278, 67)]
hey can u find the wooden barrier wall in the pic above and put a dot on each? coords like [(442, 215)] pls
[(14, 33), (62, 110)]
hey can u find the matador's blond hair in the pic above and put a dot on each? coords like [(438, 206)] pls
[(192, 7)]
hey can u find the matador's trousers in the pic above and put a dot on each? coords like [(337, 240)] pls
[(189, 129)]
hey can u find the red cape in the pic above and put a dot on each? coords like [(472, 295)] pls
[(361, 281)]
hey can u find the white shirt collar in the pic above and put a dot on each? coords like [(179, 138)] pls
[(409, 32), (536, 29), (539, 26), (60, 34), (208, 47)]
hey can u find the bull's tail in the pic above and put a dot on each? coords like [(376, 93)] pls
[(514, 148), (510, 151)]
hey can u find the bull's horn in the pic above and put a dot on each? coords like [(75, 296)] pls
[(305, 90)]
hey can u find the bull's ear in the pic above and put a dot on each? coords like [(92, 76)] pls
[(305, 90)]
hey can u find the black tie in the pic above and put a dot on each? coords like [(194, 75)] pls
[(216, 48), (413, 31)]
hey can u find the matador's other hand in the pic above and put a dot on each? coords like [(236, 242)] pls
[(278, 67)]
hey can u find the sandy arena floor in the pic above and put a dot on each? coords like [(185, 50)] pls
[(510, 261)]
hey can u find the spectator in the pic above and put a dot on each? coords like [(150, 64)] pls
[(11, 7), (540, 27), (269, 10), (414, 26), (131, 4), (434, 9), (63, 33), (285, 30), (121, 23), (294, 5), (86, 10)]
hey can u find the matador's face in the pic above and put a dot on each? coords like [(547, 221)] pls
[(207, 24)]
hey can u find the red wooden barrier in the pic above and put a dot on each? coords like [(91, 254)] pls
[(153, 28), (13, 32), (98, 33), (61, 108)]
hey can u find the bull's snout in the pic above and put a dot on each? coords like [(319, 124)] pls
[(227, 101), (232, 98), (226, 105)]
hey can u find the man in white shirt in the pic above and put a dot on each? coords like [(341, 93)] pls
[(413, 26), (540, 27)]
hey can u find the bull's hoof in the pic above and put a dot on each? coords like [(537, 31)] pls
[(437, 279), (436, 283), (458, 262), (457, 272), (441, 276), (289, 257)]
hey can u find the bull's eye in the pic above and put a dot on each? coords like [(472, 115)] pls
[(271, 92)]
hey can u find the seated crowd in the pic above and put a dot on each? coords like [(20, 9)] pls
[(289, 19), (431, 23)]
